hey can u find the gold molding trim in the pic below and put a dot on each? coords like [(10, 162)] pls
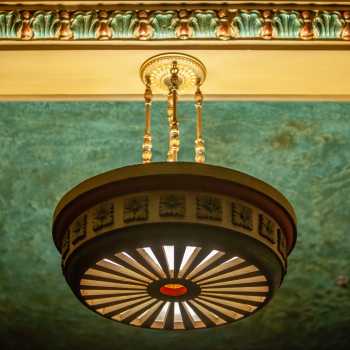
[(139, 97)]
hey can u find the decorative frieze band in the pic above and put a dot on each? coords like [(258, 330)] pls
[(177, 207), (198, 25)]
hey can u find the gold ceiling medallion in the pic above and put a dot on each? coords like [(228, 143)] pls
[(174, 245), (157, 70)]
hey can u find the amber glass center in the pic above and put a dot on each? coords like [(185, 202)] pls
[(173, 289)]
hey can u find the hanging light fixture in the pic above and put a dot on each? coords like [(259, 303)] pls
[(174, 245)]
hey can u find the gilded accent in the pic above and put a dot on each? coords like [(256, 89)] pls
[(183, 30), (136, 209), (306, 32), (266, 31), (172, 205), (104, 31), (27, 32), (346, 29), (224, 30), (144, 30), (65, 29)]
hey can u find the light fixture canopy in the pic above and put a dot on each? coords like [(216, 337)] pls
[(174, 245)]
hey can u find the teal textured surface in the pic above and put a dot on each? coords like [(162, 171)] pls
[(302, 149)]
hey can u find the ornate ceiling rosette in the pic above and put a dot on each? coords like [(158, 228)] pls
[(205, 23)]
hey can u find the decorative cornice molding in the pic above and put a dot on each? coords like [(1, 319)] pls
[(157, 24)]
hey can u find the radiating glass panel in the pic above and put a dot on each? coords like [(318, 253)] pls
[(112, 265), (118, 306), (238, 272), (178, 322), (141, 319), (221, 267), (189, 255), (152, 260), (195, 319), (207, 261), (129, 312), (210, 255), (169, 252), (209, 314), (161, 318), (132, 262)]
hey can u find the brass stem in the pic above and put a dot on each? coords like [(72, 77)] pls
[(147, 138), (174, 134), (199, 142)]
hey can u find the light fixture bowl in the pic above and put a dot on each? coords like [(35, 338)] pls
[(174, 245)]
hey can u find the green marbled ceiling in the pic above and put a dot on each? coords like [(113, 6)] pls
[(303, 149)]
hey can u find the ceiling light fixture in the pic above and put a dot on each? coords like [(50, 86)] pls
[(174, 245)]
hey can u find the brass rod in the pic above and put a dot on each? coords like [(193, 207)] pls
[(147, 138), (174, 138), (199, 142)]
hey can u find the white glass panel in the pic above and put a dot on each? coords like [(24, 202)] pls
[(152, 256), (188, 253), (178, 323), (210, 255), (152, 260), (191, 312), (160, 319), (169, 255)]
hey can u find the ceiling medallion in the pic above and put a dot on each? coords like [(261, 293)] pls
[(174, 245)]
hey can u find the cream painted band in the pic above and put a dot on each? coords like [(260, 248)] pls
[(116, 218)]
